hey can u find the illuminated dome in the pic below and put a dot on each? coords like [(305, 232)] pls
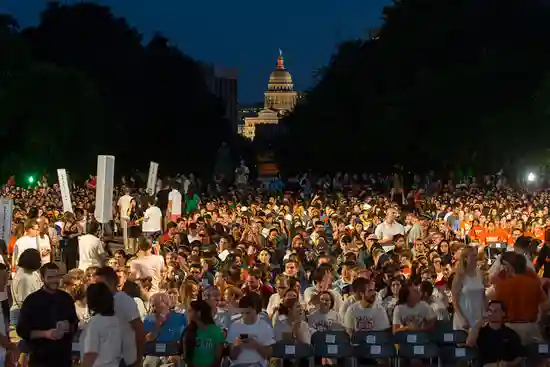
[(280, 79)]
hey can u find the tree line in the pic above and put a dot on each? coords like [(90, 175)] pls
[(83, 82), (442, 83)]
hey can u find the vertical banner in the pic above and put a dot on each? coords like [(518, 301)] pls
[(152, 178), (6, 211), (65, 192), (104, 188)]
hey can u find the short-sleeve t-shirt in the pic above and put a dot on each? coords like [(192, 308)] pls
[(103, 336), (171, 330), (413, 316), (126, 311), (319, 321), (259, 331), (206, 342), (358, 318), (191, 204), (148, 266), (175, 197)]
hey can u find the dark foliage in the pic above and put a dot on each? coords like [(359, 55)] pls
[(442, 83), (84, 83)]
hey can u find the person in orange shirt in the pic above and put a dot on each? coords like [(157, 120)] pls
[(503, 233), (476, 232), (523, 297), (538, 231), (492, 235)]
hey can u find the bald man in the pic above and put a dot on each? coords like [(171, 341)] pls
[(43, 240)]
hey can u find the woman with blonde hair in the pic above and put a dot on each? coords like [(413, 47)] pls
[(220, 280), (468, 291), (231, 297), (18, 232), (189, 291)]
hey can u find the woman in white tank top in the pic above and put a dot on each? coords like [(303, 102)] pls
[(468, 291)]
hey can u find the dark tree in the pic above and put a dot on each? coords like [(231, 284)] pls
[(442, 83), (83, 83)]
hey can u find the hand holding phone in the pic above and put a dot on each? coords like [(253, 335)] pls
[(60, 329)]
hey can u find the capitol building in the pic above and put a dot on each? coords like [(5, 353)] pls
[(279, 99)]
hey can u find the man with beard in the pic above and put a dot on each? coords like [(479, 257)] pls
[(48, 322), (364, 315), (254, 284)]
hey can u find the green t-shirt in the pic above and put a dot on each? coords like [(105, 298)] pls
[(191, 204), (207, 340)]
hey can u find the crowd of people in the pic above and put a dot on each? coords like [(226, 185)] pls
[(225, 276)]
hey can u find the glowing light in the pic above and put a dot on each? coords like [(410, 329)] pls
[(531, 177)]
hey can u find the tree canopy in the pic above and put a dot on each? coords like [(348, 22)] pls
[(83, 82), (443, 83)]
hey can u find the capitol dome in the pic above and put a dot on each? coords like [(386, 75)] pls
[(280, 78)]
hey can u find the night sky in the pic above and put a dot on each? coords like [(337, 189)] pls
[(243, 34)]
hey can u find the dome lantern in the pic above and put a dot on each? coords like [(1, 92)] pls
[(280, 78)]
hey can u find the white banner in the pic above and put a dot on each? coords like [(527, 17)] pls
[(65, 192), (152, 178), (6, 211), (104, 188)]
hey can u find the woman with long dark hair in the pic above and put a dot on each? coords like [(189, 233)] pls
[(134, 230), (102, 338), (202, 339), (71, 231), (26, 281)]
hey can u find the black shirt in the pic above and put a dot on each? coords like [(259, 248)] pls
[(543, 260), (496, 345), (162, 199), (42, 310)]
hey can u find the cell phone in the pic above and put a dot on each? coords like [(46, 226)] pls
[(243, 336)]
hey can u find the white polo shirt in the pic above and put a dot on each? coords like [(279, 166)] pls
[(175, 198)]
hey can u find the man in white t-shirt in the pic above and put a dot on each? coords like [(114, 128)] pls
[(133, 335), (148, 265), (29, 240), (174, 204), (152, 220), (123, 205), (43, 240), (365, 315), (251, 339), (389, 228), (90, 249)]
